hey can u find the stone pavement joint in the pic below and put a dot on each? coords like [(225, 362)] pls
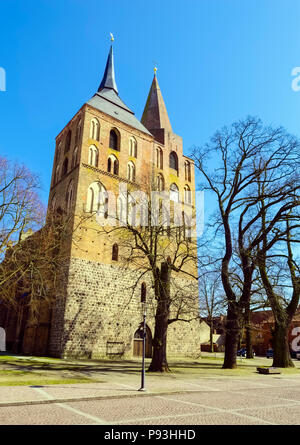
[(221, 410), (70, 408), (86, 399)]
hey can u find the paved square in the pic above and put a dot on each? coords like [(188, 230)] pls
[(260, 400)]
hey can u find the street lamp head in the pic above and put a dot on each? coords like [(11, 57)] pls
[(144, 307)]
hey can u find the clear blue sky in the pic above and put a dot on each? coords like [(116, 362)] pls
[(218, 60)]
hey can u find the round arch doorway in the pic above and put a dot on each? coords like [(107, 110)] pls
[(138, 343)]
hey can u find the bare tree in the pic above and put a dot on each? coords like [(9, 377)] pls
[(35, 270), (20, 206), (241, 154), (162, 250)]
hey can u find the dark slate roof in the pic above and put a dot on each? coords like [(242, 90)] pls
[(108, 101), (112, 97), (109, 80)]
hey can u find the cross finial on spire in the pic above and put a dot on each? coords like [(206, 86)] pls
[(155, 67)]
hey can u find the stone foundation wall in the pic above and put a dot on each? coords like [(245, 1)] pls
[(55, 346), (102, 313)]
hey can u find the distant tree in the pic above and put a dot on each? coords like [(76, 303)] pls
[(258, 300), (211, 297)]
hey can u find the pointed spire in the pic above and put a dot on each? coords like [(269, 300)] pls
[(155, 114), (108, 80)]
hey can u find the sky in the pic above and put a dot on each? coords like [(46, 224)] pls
[(218, 61)]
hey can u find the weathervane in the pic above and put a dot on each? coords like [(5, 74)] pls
[(155, 67)]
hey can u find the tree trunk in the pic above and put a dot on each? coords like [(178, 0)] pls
[(211, 338), (16, 344), (281, 349), (248, 327), (241, 336), (249, 348), (159, 358), (232, 337), (283, 318)]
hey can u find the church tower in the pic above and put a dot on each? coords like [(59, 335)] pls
[(102, 147), (174, 171)]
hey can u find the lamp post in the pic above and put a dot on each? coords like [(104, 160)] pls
[(144, 308)]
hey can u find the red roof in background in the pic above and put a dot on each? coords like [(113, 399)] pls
[(267, 316)]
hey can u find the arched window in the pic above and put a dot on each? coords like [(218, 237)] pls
[(113, 165), (96, 198), (143, 293), (115, 252), (74, 157), (174, 161), (160, 183), (90, 200), (187, 227), (95, 129), (56, 175), (114, 141), (92, 129), (93, 155), (64, 168), (68, 141), (187, 195), (132, 147), (53, 203), (174, 193), (69, 196), (58, 150), (116, 167), (131, 171), (187, 170), (159, 158), (78, 132)]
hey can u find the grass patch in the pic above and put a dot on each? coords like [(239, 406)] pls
[(29, 357), (26, 371), (10, 372), (40, 370), (212, 367)]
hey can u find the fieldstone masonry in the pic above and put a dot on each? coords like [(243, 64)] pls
[(102, 314)]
